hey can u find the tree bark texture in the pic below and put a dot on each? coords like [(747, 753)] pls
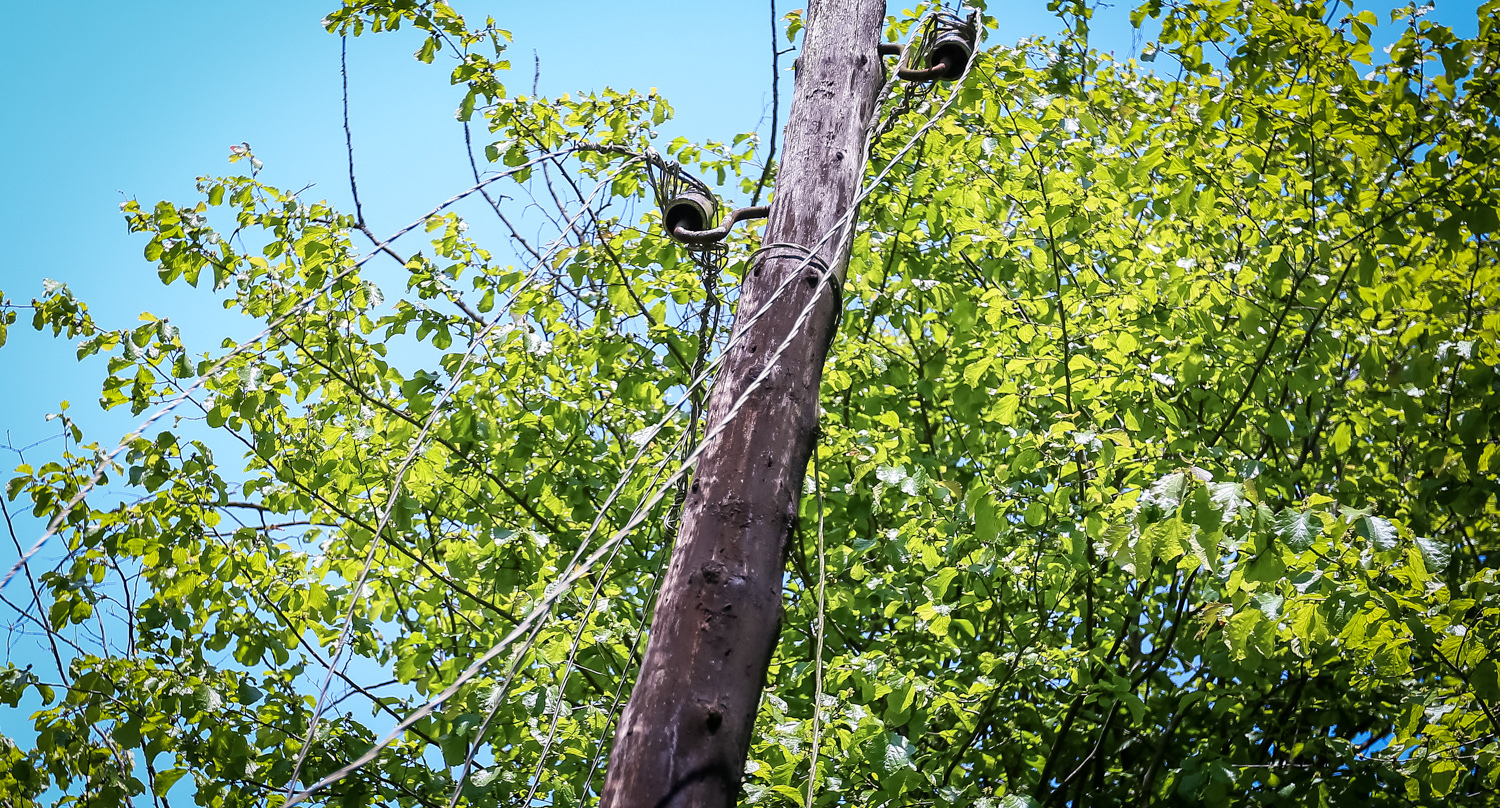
[(685, 733)]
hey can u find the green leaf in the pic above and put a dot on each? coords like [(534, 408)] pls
[(1008, 407), (1482, 219), (1485, 679), (1379, 532), (1228, 497), (1298, 529), (1244, 634), (1435, 554), (165, 780), (1269, 603), (986, 521), (1166, 493)]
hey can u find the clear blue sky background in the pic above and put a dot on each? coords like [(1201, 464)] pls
[(101, 101), (104, 101)]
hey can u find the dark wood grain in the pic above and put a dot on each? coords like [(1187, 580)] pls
[(684, 735)]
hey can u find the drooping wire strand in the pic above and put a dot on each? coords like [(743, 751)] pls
[(812, 771), (395, 488), (564, 583), (631, 659), (536, 777), (498, 696)]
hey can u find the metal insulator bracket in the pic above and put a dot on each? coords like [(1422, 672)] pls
[(949, 49), (687, 218)]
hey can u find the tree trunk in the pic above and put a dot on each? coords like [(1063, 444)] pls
[(684, 735)]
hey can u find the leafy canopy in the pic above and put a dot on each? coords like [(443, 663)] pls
[(1157, 465)]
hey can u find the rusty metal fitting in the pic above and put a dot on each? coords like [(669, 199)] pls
[(687, 218), (692, 210), (949, 49)]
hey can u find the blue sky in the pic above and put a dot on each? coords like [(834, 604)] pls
[(104, 101), (108, 100)]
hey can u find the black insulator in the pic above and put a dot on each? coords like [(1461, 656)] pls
[(698, 238), (949, 48), (952, 44), (952, 49), (692, 211), (688, 217)]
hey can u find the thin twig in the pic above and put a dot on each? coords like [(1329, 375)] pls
[(495, 201), (765, 171), (359, 213)]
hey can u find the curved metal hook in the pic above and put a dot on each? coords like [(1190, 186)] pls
[(948, 52), (941, 69), (700, 237)]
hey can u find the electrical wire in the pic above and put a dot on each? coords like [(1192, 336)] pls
[(812, 770), (576, 568), (400, 475)]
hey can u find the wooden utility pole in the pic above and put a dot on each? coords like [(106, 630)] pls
[(684, 735)]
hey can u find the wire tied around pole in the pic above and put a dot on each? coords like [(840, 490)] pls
[(810, 260)]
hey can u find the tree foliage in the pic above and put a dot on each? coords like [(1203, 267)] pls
[(1157, 464)]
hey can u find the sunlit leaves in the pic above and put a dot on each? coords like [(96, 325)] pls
[(1298, 529), (1158, 445), (1380, 532)]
